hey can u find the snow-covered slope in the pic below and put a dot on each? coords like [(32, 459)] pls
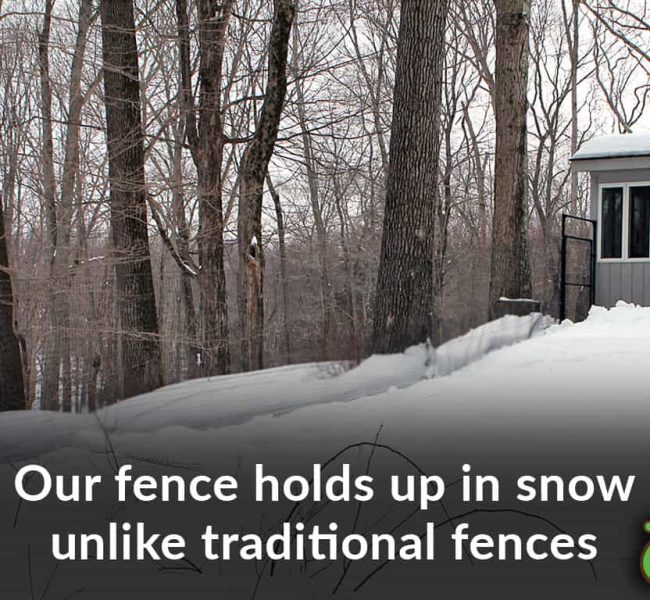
[(215, 403), (574, 376), (578, 374), (566, 399), (570, 384)]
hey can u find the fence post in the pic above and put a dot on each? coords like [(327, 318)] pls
[(563, 271), (593, 262)]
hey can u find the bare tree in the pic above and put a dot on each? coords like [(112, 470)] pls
[(58, 366), (51, 378), (510, 272), (206, 142), (253, 170), (314, 188), (572, 29), (284, 281), (141, 357), (12, 391), (404, 302)]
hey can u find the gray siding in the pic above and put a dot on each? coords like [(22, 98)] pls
[(628, 281), (622, 281)]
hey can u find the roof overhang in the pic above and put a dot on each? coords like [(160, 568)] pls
[(620, 163), (613, 153)]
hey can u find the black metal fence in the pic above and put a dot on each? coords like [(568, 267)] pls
[(577, 269)]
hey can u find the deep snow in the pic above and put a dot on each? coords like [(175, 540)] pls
[(215, 403), (517, 371), (514, 396)]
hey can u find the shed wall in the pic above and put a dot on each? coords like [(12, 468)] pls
[(628, 281)]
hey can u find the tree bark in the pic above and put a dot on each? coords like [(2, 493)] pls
[(12, 389), (50, 398), (284, 280), (206, 141), (254, 167), (404, 301), (141, 355), (61, 259), (510, 271)]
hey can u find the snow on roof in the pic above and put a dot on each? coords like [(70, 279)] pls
[(614, 146)]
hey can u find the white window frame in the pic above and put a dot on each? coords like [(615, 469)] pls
[(625, 241)]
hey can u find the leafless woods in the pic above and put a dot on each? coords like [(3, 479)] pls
[(194, 187)]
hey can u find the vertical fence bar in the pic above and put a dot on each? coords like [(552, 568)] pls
[(563, 272), (593, 261)]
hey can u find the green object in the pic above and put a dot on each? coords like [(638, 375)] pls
[(645, 557)]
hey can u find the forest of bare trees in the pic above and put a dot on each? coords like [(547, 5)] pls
[(198, 187)]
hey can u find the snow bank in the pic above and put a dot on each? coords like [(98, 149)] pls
[(624, 320), (508, 330), (229, 401), (516, 362)]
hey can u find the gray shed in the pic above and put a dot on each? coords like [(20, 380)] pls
[(619, 167)]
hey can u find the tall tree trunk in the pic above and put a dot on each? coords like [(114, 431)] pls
[(63, 251), (141, 355), (254, 167), (193, 350), (284, 281), (12, 390), (212, 277), (510, 272), (47, 152), (404, 301), (206, 142), (50, 399)]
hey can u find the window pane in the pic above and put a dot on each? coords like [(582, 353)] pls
[(640, 222), (612, 223)]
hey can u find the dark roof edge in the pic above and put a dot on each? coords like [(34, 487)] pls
[(579, 158)]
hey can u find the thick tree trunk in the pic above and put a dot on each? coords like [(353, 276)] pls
[(12, 390), (510, 272), (141, 355), (254, 167), (404, 301)]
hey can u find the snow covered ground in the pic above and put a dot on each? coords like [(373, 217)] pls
[(517, 395), (219, 402), (508, 377), (565, 383)]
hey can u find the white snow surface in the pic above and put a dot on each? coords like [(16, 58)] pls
[(613, 146), (569, 375), (218, 402), (514, 395)]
